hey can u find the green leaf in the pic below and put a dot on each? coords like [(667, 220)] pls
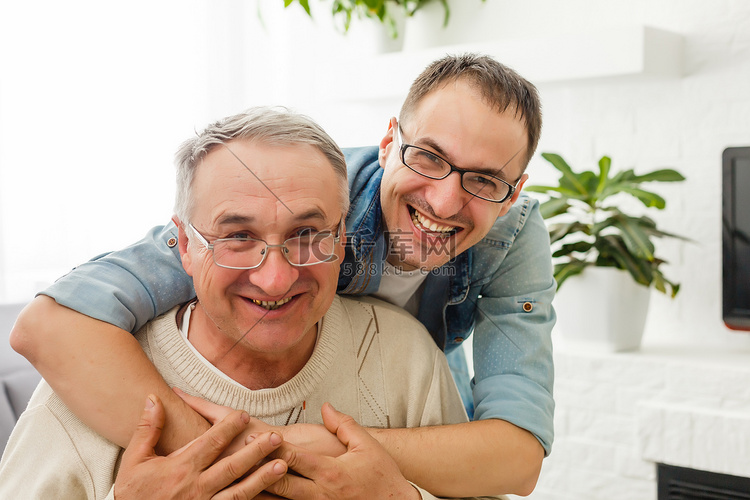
[(568, 269), (447, 12), (568, 248), (590, 181), (613, 246), (561, 230), (622, 177), (646, 197), (665, 175), (305, 5), (659, 282), (553, 207), (568, 174), (637, 241), (605, 164)]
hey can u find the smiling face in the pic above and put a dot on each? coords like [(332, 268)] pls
[(271, 310), (430, 221)]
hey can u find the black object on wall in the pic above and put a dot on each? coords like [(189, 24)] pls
[(736, 237), (679, 483)]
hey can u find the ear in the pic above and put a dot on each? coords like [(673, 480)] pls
[(517, 192), (509, 203), (182, 245), (387, 141)]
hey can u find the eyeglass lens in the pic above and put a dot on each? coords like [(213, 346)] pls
[(304, 250), (476, 183)]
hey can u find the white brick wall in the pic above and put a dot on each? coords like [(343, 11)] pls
[(618, 414)]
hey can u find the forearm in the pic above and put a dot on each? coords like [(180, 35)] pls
[(485, 457), (100, 372)]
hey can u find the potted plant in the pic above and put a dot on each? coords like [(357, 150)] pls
[(599, 248), (385, 11)]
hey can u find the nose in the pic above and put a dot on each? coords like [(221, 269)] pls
[(447, 197), (276, 275)]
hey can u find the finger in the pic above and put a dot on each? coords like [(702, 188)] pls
[(229, 469), (208, 410), (255, 483), (204, 450), (292, 486), (146, 435), (302, 461), (264, 495), (349, 432)]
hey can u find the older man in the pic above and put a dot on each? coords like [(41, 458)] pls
[(438, 225), (261, 202)]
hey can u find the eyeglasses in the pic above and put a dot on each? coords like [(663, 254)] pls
[(430, 165), (307, 249)]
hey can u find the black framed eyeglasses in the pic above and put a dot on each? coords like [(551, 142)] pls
[(307, 249), (433, 166)]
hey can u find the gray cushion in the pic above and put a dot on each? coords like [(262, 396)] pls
[(19, 387), (17, 377), (7, 419)]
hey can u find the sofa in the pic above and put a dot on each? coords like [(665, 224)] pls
[(18, 378)]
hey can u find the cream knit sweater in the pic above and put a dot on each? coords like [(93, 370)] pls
[(372, 361)]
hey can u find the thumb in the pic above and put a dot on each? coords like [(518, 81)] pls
[(148, 432), (349, 432)]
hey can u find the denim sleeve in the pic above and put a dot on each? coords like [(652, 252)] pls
[(513, 367), (129, 287)]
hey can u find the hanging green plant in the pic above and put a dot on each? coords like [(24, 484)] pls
[(382, 10), (584, 231)]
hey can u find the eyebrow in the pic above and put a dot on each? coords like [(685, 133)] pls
[(311, 214), (235, 218), (499, 173), (230, 218)]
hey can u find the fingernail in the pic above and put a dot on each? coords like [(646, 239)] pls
[(275, 439), (245, 417), (278, 468), (249, 439), (149, 403)]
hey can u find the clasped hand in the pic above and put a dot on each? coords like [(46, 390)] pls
[(193, 471), (338, 460)]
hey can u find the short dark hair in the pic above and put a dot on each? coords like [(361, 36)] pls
[(499, 85)]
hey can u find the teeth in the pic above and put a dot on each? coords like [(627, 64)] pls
[(271, 304), (423, 222)]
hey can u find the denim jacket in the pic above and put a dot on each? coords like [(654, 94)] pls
[(501, 289)]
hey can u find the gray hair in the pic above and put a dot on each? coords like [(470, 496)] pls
[(273, 126)]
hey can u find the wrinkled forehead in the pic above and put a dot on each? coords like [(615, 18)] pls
[(256, 180)]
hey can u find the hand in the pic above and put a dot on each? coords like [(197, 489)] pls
[(189, 473), (313, 437), (365, 471)]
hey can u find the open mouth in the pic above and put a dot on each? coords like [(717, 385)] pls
[(429, 226), (271, 305)]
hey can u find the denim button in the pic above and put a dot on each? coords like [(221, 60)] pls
[(528, 307), (458, 340), (171, 242)]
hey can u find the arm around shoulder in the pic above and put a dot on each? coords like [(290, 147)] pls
[(99, 371)]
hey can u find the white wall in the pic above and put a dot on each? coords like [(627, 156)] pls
[(95, 97)]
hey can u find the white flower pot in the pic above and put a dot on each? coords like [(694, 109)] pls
[(602, 309)]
